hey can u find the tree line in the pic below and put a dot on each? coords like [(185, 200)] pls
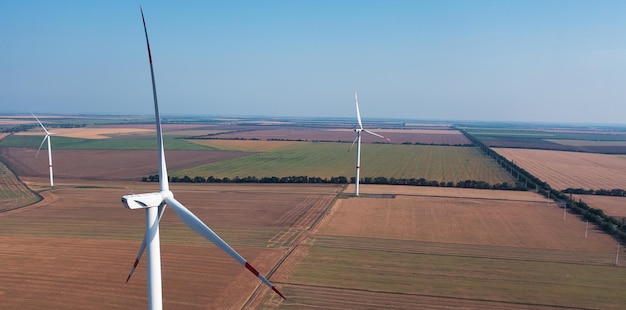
[(611, 225), (340, 180), (601, 192)]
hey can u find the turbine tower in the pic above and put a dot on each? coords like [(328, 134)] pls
[(47, 137), (358, 143), (155, 204)]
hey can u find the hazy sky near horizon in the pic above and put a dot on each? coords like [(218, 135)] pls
[(487, 60)]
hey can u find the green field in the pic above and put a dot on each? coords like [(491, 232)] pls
[(13, 193), (116, 143), (495, 134), (440, 163)]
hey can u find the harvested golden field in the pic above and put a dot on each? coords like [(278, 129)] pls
[(91, 132), (450, 251), (244, 145), (513, 223), (613, 206), (570, 169)]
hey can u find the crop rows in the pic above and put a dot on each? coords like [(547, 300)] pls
[(484, 279), (467, 250)]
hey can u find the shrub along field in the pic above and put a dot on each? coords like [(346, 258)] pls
[(438, 163)]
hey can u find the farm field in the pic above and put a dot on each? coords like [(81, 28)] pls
[(320, 159), (243, 145), (112, 131), (13, 193), (75, 248), (564, 170), (395, 247), (613, 206), (593, 140), (447, 252), (397, 136), (106, 164), (369, 189), (119, 142)]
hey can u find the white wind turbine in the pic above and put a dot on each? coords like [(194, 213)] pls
[(358, 143), (47, 137), (155, 203)]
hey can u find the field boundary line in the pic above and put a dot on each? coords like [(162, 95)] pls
[(304, 235)]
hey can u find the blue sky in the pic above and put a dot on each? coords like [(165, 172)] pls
[(535, 61)]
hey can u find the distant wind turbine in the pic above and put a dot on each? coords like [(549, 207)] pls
[(155, 204), (47, 137), (358, 143)]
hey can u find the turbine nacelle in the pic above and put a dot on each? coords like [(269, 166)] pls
[(147, 200)]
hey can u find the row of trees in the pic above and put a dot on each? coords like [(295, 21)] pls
[(521, 175), (611, 225), (250, 179), (339, 180), (602, 192)]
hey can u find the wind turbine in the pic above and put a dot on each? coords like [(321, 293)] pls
[(47, 137), (155, 204), (358, 142)]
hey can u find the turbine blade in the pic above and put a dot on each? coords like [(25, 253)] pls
[(202, 229), (40, 145), (142, 248), (375, 134), (358, 114), (353, 142), (163, 183), (44, 128)]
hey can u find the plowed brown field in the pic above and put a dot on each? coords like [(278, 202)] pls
[(74, 249), (105, 164), (464, 249), (570, 169)]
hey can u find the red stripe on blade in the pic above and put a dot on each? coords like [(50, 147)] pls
[(277, 292), (249, 267)]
